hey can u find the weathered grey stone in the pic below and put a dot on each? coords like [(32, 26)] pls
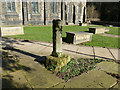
[(107, 30), (110, 67), (13, 17), (96, 30), (78, 37), (92, 79), (57, 62), (84, 24), (6, 31), (57, 38)]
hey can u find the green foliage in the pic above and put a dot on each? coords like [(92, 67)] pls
[(77, 67)]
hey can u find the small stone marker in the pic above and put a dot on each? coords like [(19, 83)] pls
[(84, 24), (97, 30), (57, 59), (57, 38), (107, 30), (78, 37), (110, 25)]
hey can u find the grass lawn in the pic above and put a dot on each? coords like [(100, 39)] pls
[(104, 41), (114, 30), (44, 33)]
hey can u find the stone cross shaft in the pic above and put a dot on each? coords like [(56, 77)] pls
[(57, 38)]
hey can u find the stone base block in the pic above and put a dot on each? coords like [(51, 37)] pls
[(55, 63), (13, 30)]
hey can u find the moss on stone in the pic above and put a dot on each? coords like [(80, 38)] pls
[(55, 63)]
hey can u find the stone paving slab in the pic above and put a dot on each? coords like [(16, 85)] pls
[(38, 76), (72, 50), (110, 67), (93, 79), (78, 51), (19, 78), (102, 53), (15, 80), (117, 86), (86, 52), (41, 77), (30, 47), (115, 52)]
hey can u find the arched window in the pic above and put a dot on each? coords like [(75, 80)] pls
[(53, 7), (35, 7), (10, 5)]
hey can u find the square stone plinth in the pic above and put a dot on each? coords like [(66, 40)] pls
[(55, 63)]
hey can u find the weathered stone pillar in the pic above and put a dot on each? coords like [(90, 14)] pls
[(57, 59), (57, 38)]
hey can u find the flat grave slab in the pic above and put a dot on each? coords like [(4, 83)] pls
[(78, 37), (97, 30), (11, 30)]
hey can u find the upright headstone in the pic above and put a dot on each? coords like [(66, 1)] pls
[(57, 38)]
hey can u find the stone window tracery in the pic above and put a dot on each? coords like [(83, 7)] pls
[(10, 5), (35, 7)]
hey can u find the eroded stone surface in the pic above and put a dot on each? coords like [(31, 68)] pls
[(92, 79), (102, 53), (57, 62), (110, 67)]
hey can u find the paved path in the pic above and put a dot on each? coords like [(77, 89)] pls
[(34, 75), (42, 48)]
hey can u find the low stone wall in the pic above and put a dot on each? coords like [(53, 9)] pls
[(7, 31)]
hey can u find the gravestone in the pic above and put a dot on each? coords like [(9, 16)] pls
[(57, 59), (78, 37), (11, 30), (97, 30), (107, 30), (84, 24)]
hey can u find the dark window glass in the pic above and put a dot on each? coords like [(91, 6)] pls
[(34, 7), (10, 5), (53, 7)]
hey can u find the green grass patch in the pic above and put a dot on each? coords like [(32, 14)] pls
[(44, 33), (104, 41), (114, 30), (76, 67)]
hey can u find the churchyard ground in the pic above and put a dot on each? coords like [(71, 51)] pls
[(44, 34), (22, 66)]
